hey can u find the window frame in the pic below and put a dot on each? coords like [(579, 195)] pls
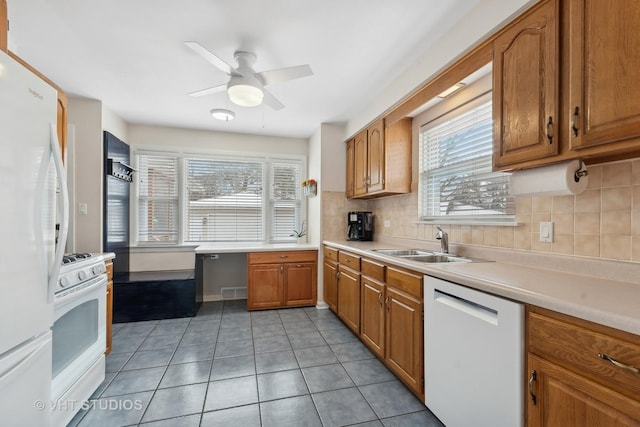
[(440, 113), (182, 155)]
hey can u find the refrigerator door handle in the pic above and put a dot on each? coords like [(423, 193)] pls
[(61, 174)]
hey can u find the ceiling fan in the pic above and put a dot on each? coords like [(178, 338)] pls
[(246, 87)]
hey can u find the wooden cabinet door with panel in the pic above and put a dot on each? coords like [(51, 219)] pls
[(265, 286), (360, 163), (375, 157), (4, 25), (526, 88), (330, 280), (350, 188), (404, 340), (559, 397), (372, 328), (300, 284), (604, 72), (349, 298)]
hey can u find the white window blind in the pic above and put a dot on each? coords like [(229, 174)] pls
[(286, 197), (456, 179), (224, 200), (157, 198)]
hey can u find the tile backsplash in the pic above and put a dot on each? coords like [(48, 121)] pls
[(602, 222)]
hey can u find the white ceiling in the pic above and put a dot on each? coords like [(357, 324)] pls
[(130, 54)]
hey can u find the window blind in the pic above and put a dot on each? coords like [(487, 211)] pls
[(456, 175), (157, 198), (224, 200), (286, 197)]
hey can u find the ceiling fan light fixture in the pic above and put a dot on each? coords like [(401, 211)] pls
[(222, 114), (244, 95)]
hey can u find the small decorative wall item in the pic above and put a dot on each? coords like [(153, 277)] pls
[(309, 187)]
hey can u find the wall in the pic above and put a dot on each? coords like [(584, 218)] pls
[(603, 222), (88, 118)]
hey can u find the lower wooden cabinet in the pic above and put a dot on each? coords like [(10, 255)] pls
[(563, 398), (372, 324), (404, 338), (109, 265), (281, 279), (330, 281), (580, 373), (349, 298)]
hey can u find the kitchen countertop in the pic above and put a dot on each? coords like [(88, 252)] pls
[(612, 303), (240, 247)]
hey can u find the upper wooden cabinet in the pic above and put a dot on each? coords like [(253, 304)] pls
[(604, 73), (566, 80), (379, 160), (525, 89), (4, 25)]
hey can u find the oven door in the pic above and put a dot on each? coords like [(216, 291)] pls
[(79, 332)]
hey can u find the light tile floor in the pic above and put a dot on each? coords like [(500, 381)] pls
[(229, 367)]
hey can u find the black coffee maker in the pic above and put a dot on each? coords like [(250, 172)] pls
[(360, 226)]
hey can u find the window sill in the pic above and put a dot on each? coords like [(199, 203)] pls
[(162, 248), (469, 222)]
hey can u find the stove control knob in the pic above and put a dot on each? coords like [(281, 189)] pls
[(64, 282), (97, 269), (82, 275)]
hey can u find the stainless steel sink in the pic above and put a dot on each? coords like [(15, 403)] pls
[(401, 252), (437, 258)]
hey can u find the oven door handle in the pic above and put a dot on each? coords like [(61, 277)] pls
[(61, 175)]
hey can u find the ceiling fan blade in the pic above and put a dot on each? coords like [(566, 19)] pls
[(217, 62), (271, 100), (283, 74), (208, 91)]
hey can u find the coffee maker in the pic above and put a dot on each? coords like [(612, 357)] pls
[(360, 226)]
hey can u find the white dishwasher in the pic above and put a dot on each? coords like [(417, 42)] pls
[(474, 356)]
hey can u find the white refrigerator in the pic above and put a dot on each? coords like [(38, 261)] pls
[(30, 170)]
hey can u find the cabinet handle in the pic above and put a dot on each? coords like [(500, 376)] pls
[(299, 265), (574, 121), (281, 269), (550, 130), (619, 364), (284, 256), (380, 299), (386, 301), (532, 378)]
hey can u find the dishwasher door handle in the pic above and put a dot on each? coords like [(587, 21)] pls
[(471, 308)]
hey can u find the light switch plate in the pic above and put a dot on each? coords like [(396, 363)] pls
[(82, 209), (387, 223), (546, 232)]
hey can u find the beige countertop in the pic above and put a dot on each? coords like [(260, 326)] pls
[(612, 303), (240, 247)]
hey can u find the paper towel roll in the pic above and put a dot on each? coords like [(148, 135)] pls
[(554, 180)]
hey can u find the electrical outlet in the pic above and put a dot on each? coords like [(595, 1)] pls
[(387, 223), (546, 232)]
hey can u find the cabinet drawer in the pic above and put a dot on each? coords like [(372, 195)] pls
[(575, 344), (349, 260), (278, 257), (407, 281), (372, 269), (331, 253)]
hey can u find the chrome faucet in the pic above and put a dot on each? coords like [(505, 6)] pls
[(444, 240)]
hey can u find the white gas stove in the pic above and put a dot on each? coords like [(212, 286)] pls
[(78, 268)]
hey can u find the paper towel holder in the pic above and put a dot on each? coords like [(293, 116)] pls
[(579, 173)]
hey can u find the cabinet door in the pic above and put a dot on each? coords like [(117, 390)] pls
[(265, 286), (525, 89), (330, 280), (604, 105), (563, 398), (375, 157), (404, 339), (300, 284), (109, 317), (4, 25), (372, 318), (360, 163), (350, 189), (349, 299)]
